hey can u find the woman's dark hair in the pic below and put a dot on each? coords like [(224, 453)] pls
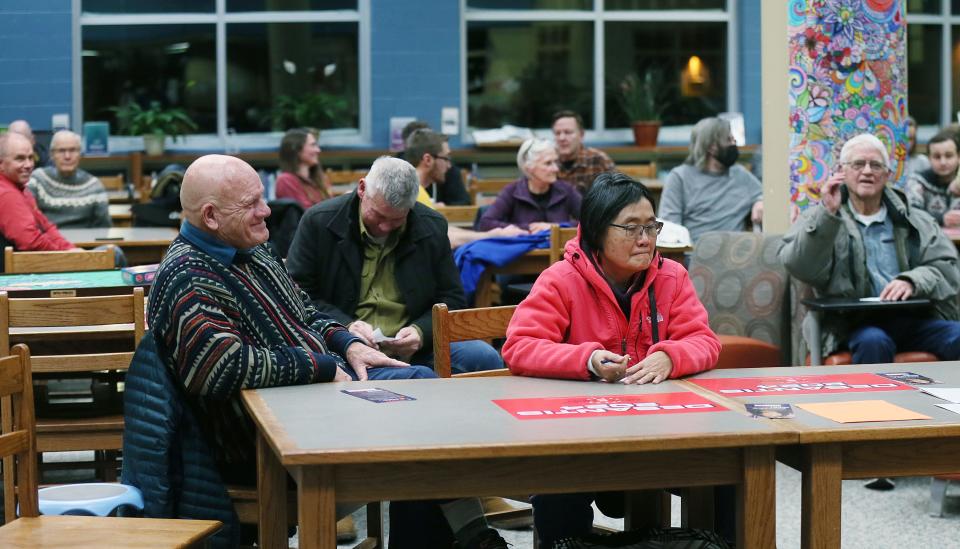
[(610, 193), (290, 147)]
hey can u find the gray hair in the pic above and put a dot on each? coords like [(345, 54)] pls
[(864, 139), (395, 180), (61, 135), (707, 133), (530, 150)]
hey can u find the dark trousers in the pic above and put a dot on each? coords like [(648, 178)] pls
[(419, 525), (880, 340)]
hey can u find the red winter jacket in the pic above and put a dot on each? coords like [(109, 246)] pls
[(572, 312), (23, 224)]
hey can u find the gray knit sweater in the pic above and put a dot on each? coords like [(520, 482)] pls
[(77, 201)]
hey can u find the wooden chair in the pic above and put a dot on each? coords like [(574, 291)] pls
[(464, 325), (19, 452), (639, 171), (459, 215), (113, 182), (58, 262), (559, 236), (481, 189), (75, 316)]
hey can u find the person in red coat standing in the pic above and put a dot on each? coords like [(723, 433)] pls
[(614, 310)]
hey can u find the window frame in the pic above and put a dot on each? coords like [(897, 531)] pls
[(599, 132), (946, 21), (224, 138)]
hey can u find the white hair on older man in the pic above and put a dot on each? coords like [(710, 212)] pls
[(864, 139), (63, 136), (530, 150), (395, 180)]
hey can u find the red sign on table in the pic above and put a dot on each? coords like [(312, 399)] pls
[(801, 385), (607, 405)]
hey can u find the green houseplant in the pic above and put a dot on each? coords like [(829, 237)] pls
[(643, 99), (315, 110), (154, 123)]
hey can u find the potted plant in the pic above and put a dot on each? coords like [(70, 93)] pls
[(643, 99), (318, 110), (154, 123)]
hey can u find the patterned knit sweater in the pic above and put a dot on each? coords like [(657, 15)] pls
[(77, 201), (223, 328)]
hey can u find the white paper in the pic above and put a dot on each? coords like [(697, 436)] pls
[(499, 135), (955, 408), (450, 121), (950, 394), (870, 299), (378, 336), (673, 236)]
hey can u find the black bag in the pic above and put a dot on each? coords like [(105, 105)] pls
[(648, 538)]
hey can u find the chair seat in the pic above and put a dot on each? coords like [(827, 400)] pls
[(746, 352), (96, 532), (95, 498)]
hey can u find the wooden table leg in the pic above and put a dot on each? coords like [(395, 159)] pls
[(317, 507), (271, 497), (757, 500), (483, 296), (822, 472)]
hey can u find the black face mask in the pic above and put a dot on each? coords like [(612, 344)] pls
[(728, 155)]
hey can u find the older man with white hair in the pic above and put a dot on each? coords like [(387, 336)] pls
[(66, 194), (865, 240)]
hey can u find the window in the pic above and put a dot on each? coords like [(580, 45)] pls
[(283, 63), (527, 59)]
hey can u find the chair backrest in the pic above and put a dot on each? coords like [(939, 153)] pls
[(637, 171), (112, 182), (480, 187), (464, 325), (58, 262), (459, 215), (744, 286), (17, 435), (559, 236), (74, 315)]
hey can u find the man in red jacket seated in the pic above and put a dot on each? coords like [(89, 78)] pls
[(22, 224)]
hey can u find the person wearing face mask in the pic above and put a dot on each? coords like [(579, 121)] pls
[(710, 191), (927, 189)]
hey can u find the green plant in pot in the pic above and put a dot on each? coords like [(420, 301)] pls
[(319, 110), (643, 99), (154, 123)]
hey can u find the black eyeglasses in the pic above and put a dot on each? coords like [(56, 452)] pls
[(634, 231)]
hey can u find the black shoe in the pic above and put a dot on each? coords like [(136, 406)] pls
[(488, 539), (881, 484)]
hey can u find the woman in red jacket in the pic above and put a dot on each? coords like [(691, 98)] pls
[(613, 310)]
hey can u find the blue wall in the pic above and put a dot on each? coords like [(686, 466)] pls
[(415, 62), (35, 77), (748, 43)]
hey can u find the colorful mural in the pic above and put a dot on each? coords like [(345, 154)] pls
[(847, 76)]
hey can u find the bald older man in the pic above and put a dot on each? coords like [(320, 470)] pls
[(40, 156), (226, 316), (22, 224)]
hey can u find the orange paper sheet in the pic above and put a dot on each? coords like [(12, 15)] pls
[(856, 411)]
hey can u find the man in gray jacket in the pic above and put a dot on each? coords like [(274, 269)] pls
[(863, 240)]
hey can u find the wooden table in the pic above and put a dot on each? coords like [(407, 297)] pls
[(94, 532), (141, 245), (535, 262), (453, 441), (830, 451)]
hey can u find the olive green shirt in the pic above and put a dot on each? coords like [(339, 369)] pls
[(380, 302)]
